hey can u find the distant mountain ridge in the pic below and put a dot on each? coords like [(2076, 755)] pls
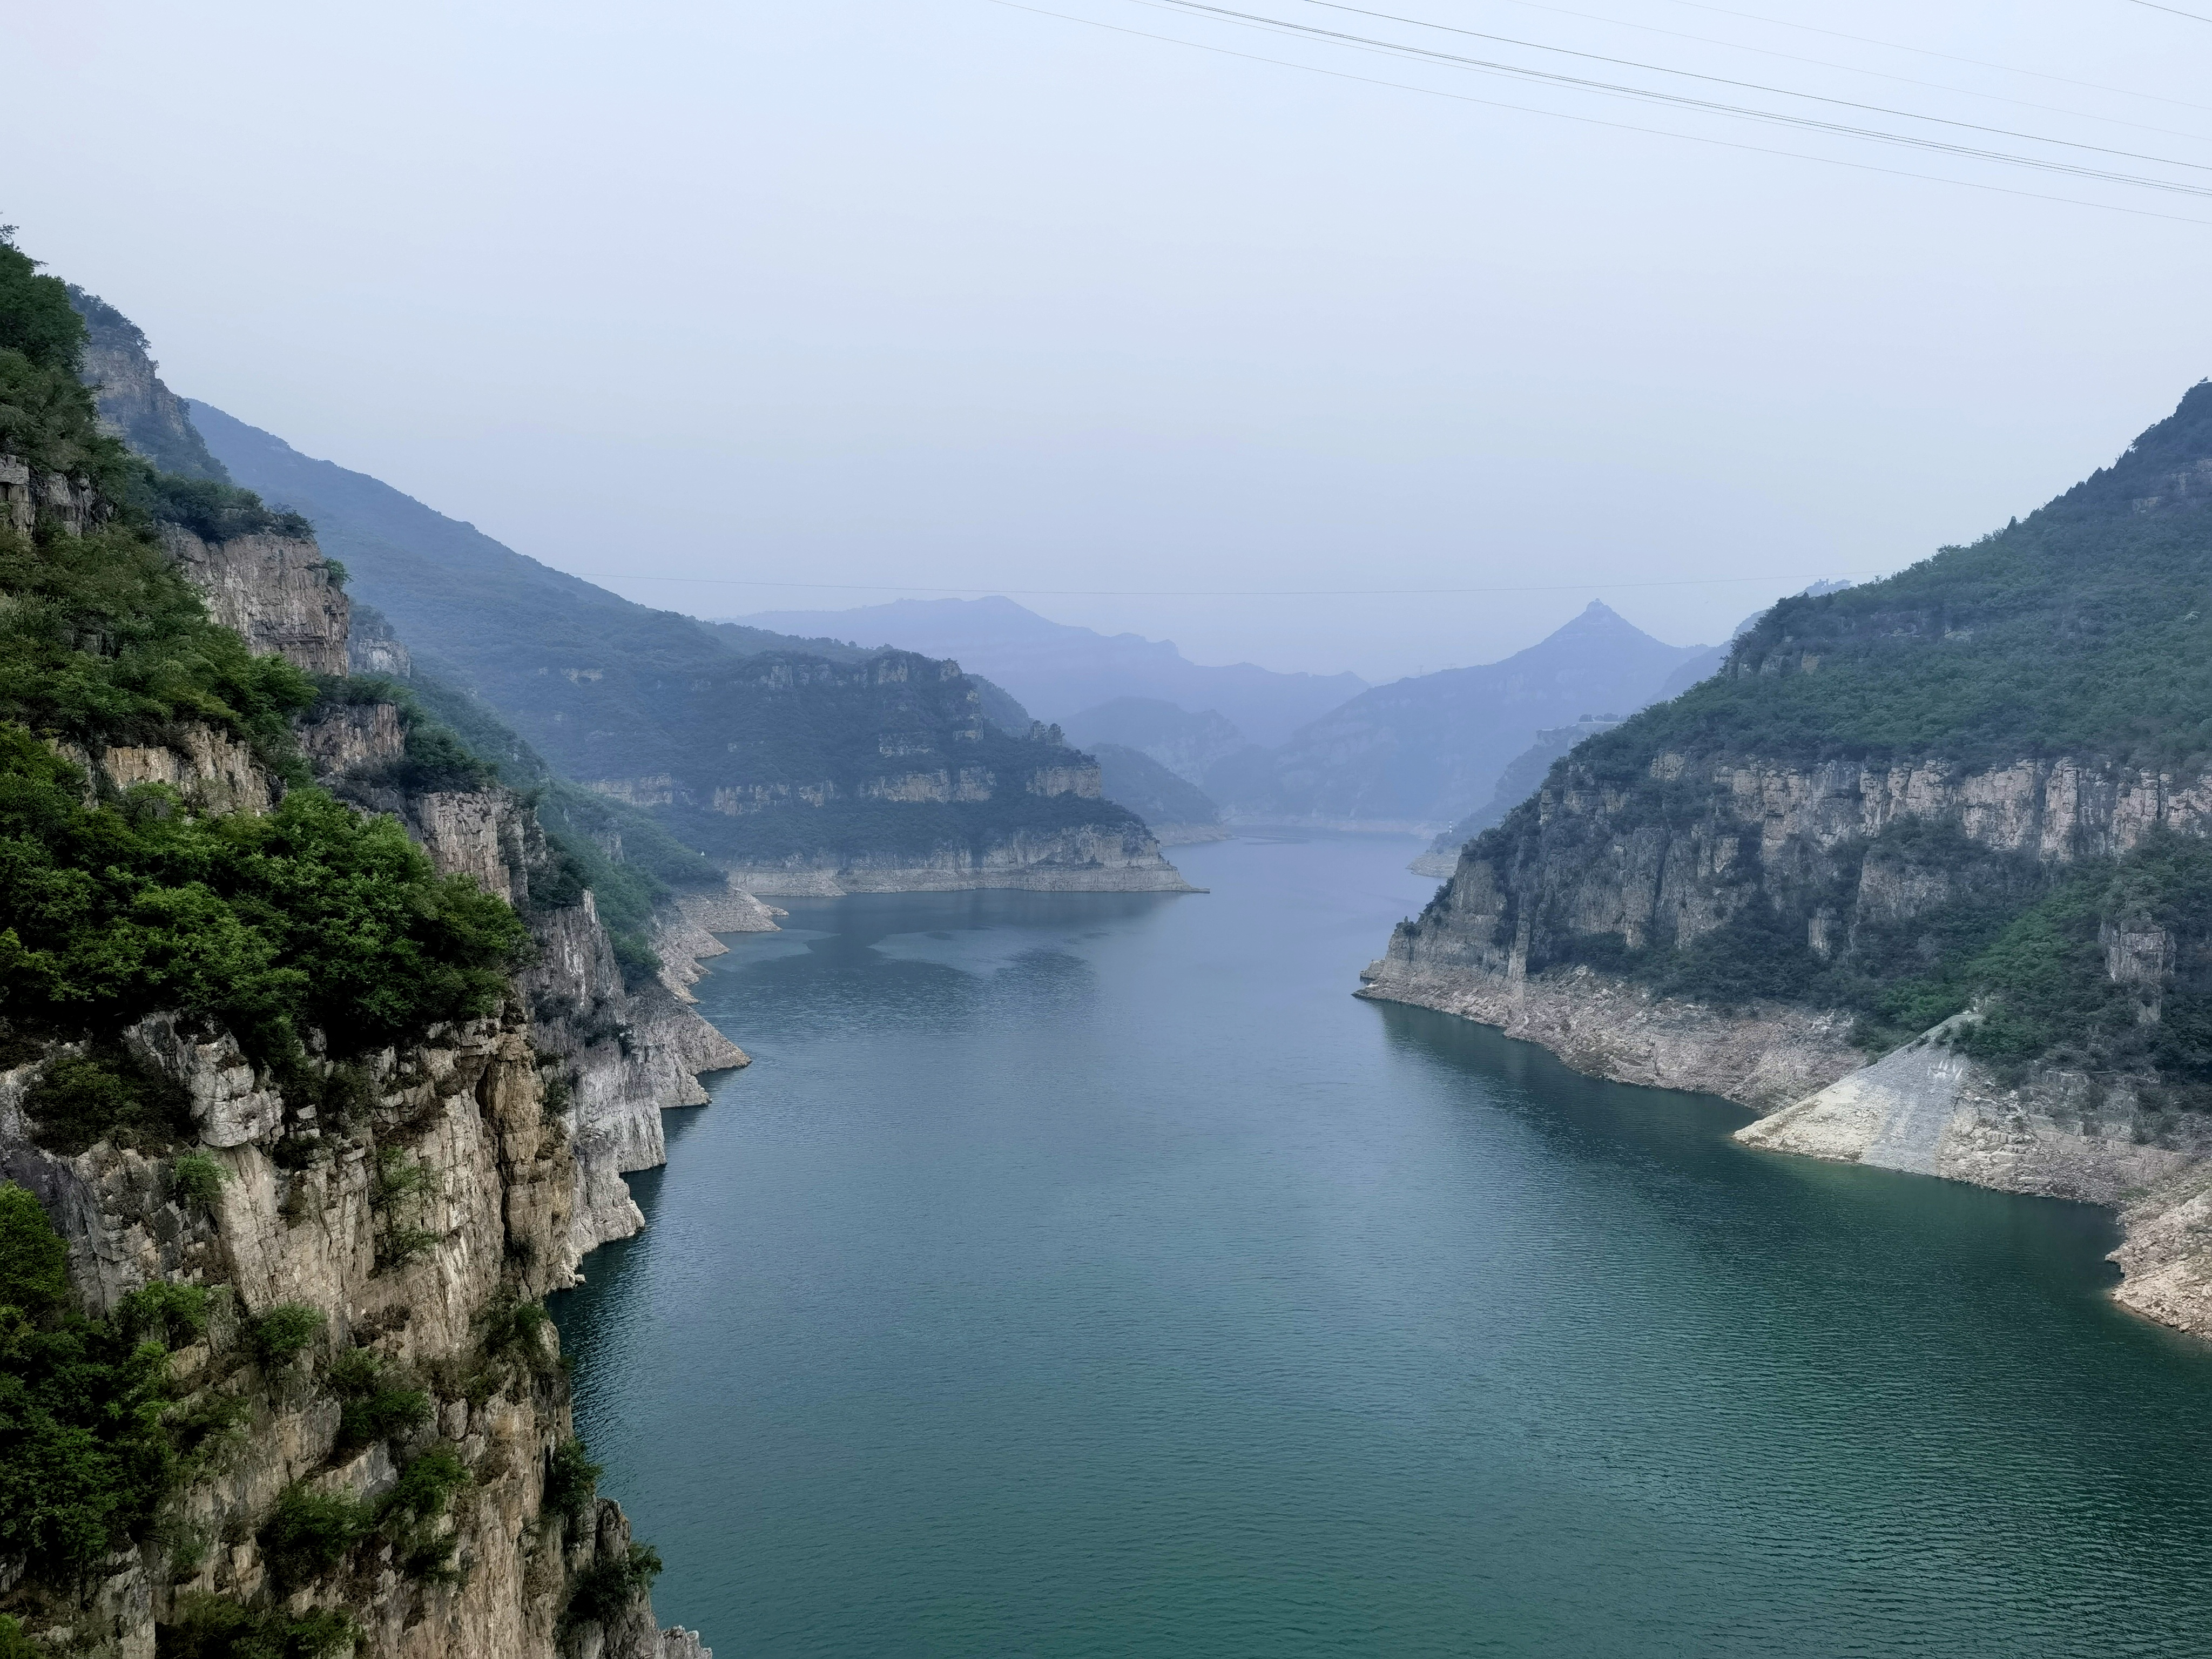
[(1520, 780), (1177, 811), (800, 764), (1188, 743), (1421, 753), (1058, 670)]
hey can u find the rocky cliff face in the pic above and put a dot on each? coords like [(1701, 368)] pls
[(1112, 859), (464, 1176), (1819, 846), (372, 648), (278, 591), (26, 496), (614, 1058), (134, 404), (303, 1217), (1841, 853)]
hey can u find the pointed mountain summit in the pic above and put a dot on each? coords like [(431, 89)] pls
[(1421, 753)]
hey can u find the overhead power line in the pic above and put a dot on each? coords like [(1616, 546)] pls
[(1597, 121), (1926, 51), (1722, 80), (1780, 118), (1880, 75), (2175, 11)]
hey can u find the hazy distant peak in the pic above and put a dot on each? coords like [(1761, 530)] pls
[(1597, 616), (1058, 669)]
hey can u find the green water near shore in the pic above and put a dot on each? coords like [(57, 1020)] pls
[(1093, 1275)]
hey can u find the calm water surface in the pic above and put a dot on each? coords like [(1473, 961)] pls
[(1092, 1275)]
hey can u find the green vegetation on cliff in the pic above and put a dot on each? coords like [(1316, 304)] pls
[(84, 1455), (48, 420), (628, 858), (312, 917), (2084, 628), (2083, 631), (103, 642)]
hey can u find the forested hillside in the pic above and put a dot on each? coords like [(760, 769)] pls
[(302, 1106), (788, 759)]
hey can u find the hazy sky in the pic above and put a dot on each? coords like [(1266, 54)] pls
[(897, 295)]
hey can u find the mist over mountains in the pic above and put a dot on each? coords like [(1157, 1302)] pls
[(803, 762), (1420, 753), (1059, 670), (611, 690), (1417, 754)]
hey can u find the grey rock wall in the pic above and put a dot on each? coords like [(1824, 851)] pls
[(1100, 859), (277, 592), (1594, 859)]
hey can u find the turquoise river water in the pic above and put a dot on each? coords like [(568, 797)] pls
[(1093, 1275)]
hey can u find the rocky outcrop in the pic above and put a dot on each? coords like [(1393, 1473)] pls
[(485, 834), (1821, 846), (620, 1057), (278, 592), (402, 1211), (26, 496), (304, 1216), (1763, 1055), (1592, 857), (353, 737), (371, 648), (1930, 1109), (135, 405), (1107, 859), (209, 769)]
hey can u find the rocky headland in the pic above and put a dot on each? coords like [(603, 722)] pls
[(1923, 875)]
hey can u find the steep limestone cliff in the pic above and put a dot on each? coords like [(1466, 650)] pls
[(366, 1398), (1110, 859), (134, 404), (28, 496), (615, 1057), (416, 1293), (470, 1174), (277, 591)]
